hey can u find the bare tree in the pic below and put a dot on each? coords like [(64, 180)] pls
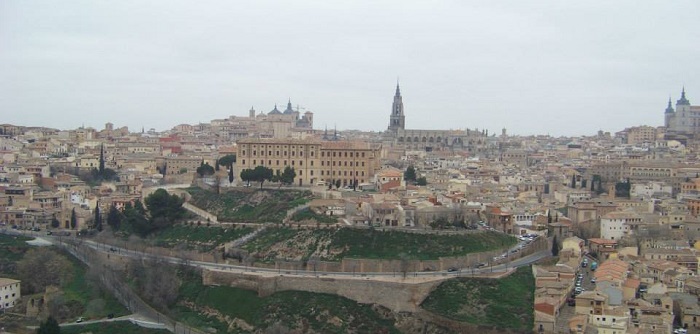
[(42, 267)]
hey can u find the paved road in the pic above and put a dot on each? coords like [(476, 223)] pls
[(393, 276)]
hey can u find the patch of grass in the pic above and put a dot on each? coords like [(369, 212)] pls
[(250, 205), (12, 248), (307, 214), (321, 313), (269, 237), (14, 240), (82, 291), (502, 303), (203, 237), (115, 327), (335, 244), (373, 244)]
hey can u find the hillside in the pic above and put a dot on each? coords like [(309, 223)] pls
[(500, 303), (249, 205), (224, 309), (334, 244)]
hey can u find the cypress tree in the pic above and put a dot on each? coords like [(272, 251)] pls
[(230, 174), (98, 217), (73, 219), (555, 247), (102, 160)]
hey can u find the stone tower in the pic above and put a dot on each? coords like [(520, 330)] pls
[(668, 114), (397, 120)]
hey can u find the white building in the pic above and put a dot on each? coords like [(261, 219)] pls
[(617, 224), (651, 189), (9, 292)]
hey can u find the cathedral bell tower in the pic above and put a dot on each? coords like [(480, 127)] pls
[(397, 120)]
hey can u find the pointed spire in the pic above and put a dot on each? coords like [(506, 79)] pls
[(669, 108), (683, 100), (398, 90)]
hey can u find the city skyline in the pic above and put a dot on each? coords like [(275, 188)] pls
[(548, 68)]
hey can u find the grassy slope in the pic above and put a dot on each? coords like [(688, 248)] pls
[(12, 248), (237, 206), (203, 237), (502, 303), (373, 244), (117, 327), (83, 291), (320, 312)]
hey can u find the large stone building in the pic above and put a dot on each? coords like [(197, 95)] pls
[(684, 120), (315, 162), (472, 141)]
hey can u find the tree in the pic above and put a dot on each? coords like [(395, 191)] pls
[(114, 218), (259, 174), (555, 247), (204, 170), (55, 223), (138, 206), (622, 189), (50, 326), (73, 219), (422, 181), (164, 209), (246, 176), (337, 184), (216, 165), (42, 267), (230, 174), (102, 160), (573, 181), (410, 174), (287, 176), (98, 217), (227, 160)]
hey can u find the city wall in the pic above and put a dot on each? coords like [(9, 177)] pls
[(397, 296)]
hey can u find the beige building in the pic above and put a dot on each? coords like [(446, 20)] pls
[(314, 162), (9, 293), (182, 165), (641, 134)]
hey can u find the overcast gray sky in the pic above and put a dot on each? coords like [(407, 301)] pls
[(533, 67)]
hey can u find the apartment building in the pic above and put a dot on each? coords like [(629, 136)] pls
[(9, 292)]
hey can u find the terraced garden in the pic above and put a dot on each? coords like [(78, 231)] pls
[(249, 205), (501, 303), (334, 244)]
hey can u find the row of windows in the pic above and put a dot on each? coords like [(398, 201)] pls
[(345, 173), (340, 154), (277, 162), (301, 163), (328, 163), (277, 153)]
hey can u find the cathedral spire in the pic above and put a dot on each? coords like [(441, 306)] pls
[(398, 90), (683, 100), (669, 108)]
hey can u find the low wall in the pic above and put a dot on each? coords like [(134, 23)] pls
[(397, 296)]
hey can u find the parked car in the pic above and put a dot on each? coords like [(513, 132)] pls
[(79, 320), (571, 301), (452, 269)]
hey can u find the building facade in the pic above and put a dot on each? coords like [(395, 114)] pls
[(315, 162), (9, 293)]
